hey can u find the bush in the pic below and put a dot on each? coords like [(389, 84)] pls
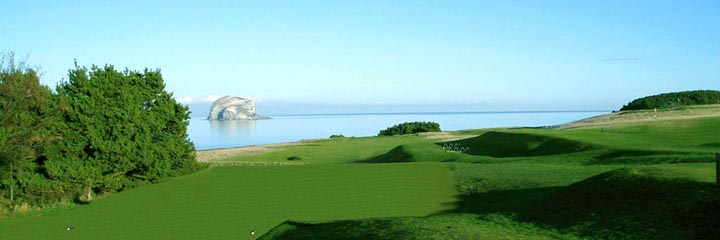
[(410, 128), (102, 131), (120, 124), (337, 136)]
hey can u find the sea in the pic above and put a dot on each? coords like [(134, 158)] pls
[(281, 128)]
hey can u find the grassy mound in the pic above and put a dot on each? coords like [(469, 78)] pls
[(486, 148), (452, 226), (635, 204), (396, 155), (511, 144), (415, 152)]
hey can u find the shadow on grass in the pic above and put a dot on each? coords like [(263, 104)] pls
[(621, 204), (503, 144), (711, 145), (513, 202), (650, 157), (396, 155), (379, 228)]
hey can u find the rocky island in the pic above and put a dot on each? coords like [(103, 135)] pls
[(233, 108)]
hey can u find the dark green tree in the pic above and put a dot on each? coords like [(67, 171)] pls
[(25, 119), (122, 128)]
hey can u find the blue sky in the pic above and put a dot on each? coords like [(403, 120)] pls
[(481, 55)]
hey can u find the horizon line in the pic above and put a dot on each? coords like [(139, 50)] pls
[(429, 113)]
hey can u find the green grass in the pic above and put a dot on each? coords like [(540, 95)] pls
[(533, 201), (692, 135), (562, 183), (673, 141), (449, 226), (228, 202), (478, 178), (644, 202), (698, 134), (337, 150), (511, 144)]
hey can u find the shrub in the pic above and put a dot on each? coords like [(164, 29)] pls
[(337, 136), (120, 124), (410, 128), (101, 131)]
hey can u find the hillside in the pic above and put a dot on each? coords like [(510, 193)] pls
[(635, 116), (674, 99)]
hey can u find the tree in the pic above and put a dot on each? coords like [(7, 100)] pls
[(103, 130), (121, 128), (25, 117)]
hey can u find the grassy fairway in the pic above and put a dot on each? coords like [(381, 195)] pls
[(598, 182), (636, 180), (343, 150), (228, 202)]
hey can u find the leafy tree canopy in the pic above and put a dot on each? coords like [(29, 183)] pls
[(101, 131), (674, 99), (410, 128)]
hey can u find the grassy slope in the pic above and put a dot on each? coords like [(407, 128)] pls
[(627, 203), (684, 112), (640, 203), (525, 186), (455, 226), (228, 202)]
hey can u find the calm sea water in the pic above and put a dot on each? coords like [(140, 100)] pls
[(288, 128)]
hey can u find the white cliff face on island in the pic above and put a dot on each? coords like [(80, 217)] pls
[(233, 108)]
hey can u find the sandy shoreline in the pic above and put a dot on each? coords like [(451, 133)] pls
[(212, 155)]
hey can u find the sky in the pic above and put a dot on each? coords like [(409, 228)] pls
[(474, 55)]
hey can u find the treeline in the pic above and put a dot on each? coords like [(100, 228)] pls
[(100, 131), (410, 128), (669, 100)]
